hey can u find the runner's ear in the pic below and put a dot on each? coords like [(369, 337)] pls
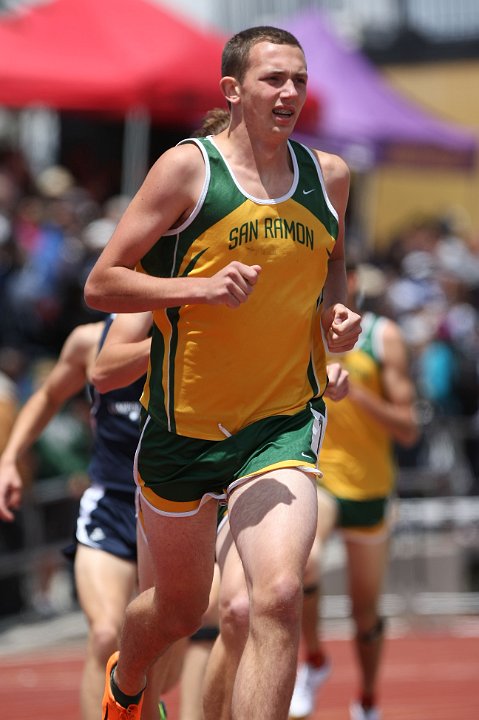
[(230, 89)]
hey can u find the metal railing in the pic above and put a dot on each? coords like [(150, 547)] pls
[(43, 528)]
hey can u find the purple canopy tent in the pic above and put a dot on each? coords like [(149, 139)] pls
[(363, 118)]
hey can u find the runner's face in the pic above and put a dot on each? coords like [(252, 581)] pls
[(273, 90)]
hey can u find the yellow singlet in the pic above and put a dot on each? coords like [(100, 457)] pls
[(356, 456)]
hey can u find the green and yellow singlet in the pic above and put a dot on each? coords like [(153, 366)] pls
[(214, 368), (356, 456)]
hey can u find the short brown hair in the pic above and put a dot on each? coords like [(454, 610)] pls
[(235, 57)]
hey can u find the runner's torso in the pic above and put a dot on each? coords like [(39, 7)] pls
[(214, 367)]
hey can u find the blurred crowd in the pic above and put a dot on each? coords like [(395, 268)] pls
[(426, 278), (51, 231)]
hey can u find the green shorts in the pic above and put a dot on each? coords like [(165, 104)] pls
[(362, 515), (176, 474)]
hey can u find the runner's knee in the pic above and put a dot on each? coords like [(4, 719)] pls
[(373, 634), (104, 639), (280, 599), (364, 611), (234, 617)]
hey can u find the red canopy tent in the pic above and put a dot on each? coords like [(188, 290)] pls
[(109, 55), (112, 56)]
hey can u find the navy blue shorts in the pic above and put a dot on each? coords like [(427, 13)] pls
[(106, 521)]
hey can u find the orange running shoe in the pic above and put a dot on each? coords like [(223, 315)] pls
[(110, 709)]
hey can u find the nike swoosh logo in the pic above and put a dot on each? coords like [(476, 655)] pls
[(307, 192), (306, 456)]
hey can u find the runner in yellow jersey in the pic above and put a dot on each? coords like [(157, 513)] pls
[(353, 495), (236, 244)]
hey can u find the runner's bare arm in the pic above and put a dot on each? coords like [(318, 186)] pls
[(66, 379), (125, 353), (340, 324), (396, 410), (166, 198)]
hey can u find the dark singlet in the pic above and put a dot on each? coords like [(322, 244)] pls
[(115, 417)]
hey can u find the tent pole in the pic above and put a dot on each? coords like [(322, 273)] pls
[(136, 140), (39, 137)]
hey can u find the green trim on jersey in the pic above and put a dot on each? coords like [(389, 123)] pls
[(368, 339)]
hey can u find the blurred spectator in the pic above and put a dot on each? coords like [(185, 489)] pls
[(432, 291), (42, 278), (438, 372), (8, 406), (11, 596)]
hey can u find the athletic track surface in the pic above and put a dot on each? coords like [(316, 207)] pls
[(427, 675)]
